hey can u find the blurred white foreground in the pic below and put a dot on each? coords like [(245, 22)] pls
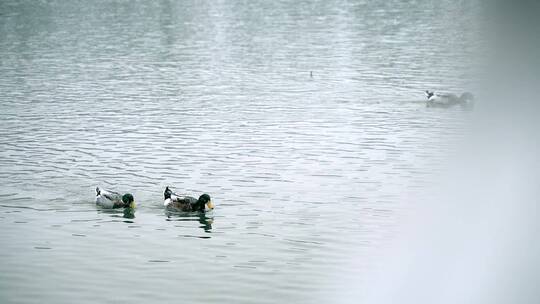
[(475, 240)]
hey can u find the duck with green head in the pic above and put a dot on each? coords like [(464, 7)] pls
[(111, 199), (186, 203)]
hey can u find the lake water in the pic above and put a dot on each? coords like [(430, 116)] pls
[(307, 173)]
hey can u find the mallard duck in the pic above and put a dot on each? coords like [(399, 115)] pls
[(440, 100), (111, 199), (185, 203)]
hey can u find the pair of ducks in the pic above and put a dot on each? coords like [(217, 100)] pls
[(173, 201), (440, 100)]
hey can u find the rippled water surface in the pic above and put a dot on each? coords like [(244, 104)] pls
[(308, 173)]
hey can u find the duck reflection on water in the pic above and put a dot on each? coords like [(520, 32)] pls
[(129, 213), (205, 220), (126, 213)]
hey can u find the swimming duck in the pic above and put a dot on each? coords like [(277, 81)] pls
[(440, 100), (177, 202), (111, 199)]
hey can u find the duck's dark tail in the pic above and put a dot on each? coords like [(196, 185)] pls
[(98, 192), (167, 193)]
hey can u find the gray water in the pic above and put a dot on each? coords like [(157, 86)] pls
[(307, 173)]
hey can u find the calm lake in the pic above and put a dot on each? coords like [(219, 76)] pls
[(308, 172)]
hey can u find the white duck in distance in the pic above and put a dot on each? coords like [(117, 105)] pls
[(445, 100)]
